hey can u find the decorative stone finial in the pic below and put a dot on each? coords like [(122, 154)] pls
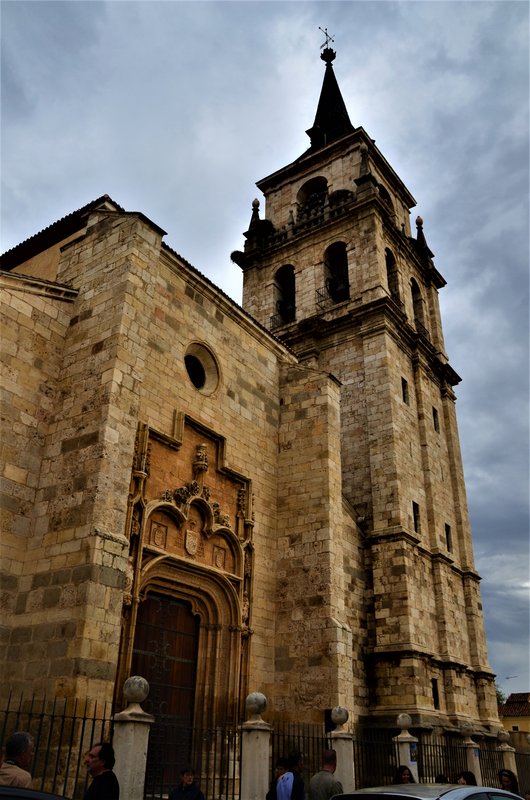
[(339, 715), (404, 721), (504, 736), (255, 203), (419, 222), (135, 689), (255, 704)]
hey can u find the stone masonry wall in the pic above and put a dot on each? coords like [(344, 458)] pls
[(74, 579), (313, 640), (35, 319)]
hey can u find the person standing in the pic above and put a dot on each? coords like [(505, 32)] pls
[(100, 761), (403, 775), (279, 770), (290, 785), (188, 788), (508, 781), (323, 785), (19, 752)]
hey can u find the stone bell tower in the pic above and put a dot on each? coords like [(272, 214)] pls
[(333, 270)]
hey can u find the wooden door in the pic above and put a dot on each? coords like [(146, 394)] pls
[(165, 653)]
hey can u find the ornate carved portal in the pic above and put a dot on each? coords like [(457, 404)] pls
[(190, 532)]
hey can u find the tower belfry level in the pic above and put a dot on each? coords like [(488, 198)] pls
[(226, 498)]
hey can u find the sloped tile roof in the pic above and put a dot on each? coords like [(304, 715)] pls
[(517, 705)]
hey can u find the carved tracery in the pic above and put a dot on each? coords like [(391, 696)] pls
[(192, 539)]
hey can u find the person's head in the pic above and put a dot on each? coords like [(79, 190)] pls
[(329, 760), (527, 795), (100, 758), (466, 778), (20, 748), (280, 768), (508, 781), (187, 776), (403, 775), (296, 761)]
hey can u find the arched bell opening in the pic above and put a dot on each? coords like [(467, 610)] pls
[(336, 272)]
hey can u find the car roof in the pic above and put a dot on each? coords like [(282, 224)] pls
[(27, 794), (427, 791)]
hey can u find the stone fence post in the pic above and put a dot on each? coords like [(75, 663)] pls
[(131, 736), (342, 743), (472, 752), (255, 744), (508, 752), (407, 745)]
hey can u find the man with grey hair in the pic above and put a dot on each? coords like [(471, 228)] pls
[(323, 785), (19, 752)]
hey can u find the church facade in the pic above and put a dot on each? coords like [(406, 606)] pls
[(227, 499)]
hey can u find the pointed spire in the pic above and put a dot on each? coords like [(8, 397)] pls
[(331, 120)]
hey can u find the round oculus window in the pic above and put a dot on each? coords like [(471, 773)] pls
[(202, 368)]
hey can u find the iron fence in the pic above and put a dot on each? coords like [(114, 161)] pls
[(64, 729), (309, 739), (491, 761), (213, 753), (522, 763), (374, 759), (440, 759)]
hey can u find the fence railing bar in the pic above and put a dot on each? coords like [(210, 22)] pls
[(58, 754), (70, 742), (40, 716), (6, 715)]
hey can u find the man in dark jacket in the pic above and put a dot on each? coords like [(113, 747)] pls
[(100, 761)]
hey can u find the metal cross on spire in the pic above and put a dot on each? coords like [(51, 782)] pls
[(329, 38)]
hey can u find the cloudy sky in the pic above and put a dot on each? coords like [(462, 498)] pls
[(177, 108)]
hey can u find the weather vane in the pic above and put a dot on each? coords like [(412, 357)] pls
[(329, 38)]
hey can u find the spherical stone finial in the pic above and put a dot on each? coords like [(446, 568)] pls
[(135, 689), (255, 203), (255, 704), (503, 736), (339, 715), (419, 222), (404, 721), (466, 729)]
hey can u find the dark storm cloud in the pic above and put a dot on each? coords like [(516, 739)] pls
[(177, 108)]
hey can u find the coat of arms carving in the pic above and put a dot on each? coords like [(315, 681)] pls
[(191, 542)]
